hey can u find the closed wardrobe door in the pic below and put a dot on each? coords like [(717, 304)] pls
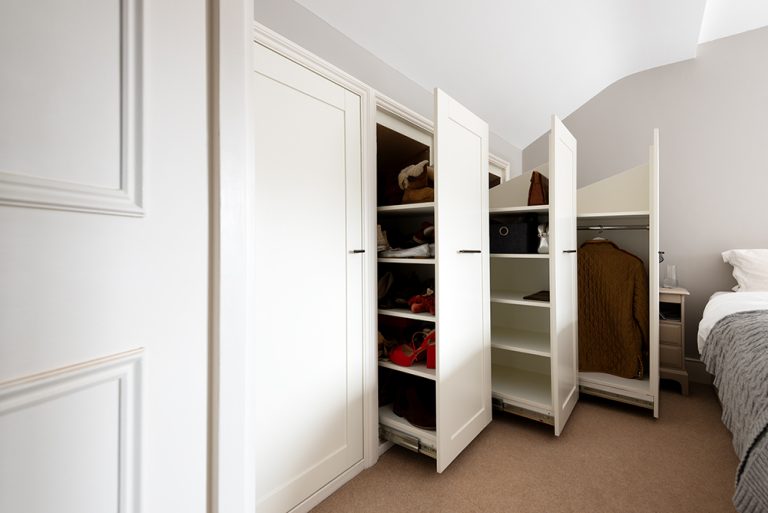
[(306, 356)]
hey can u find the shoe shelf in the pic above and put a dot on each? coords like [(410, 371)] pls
[(388, 418), (520, 341), (421, 261), (407, 314), (513, 297), (417, 369), (409, 209), (544, 256), (522, 388)]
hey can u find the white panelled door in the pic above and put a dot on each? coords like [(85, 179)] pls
[(463, 318), (563, 272), (653, 266), (306, 356), (103, 256)]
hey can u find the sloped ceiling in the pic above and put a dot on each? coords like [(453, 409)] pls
[(516, 62)]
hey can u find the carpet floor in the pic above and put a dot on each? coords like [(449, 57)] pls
[(610, 458)]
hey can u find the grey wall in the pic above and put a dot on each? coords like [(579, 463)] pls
[(711, 113), (303, 27)]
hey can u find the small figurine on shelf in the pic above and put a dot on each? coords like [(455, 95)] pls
[(416, 183)]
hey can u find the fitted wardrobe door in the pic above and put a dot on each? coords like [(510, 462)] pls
[(653, 268), (463, 317), (306, 360), (563, 272)]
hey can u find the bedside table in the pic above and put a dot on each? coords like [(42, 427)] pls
[(672, 336)]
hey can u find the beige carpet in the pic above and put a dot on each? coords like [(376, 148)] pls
[(610, 458)]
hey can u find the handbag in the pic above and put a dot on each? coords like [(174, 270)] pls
[(544, 238), (538, 192)]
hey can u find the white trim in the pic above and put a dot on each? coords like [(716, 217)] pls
[(124, 368), (232, 455), (387, 104), (326, 491), (27, 191), (493, 160)]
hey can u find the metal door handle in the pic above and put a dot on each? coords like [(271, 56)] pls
[(354, 251), (569, 251), (470, 251)]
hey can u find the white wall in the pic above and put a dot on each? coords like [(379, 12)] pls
[(303, 27), (711, 112)]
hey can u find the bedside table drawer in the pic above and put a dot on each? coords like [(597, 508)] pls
[(670, 333), (670, 356)]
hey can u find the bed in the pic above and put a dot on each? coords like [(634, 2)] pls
[(733, 342)]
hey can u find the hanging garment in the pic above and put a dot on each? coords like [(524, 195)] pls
[(613, 310)]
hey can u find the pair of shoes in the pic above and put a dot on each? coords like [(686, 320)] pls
[(407, 354), (421, 251), (414, 400), (423, 302), (385, 283), (426, 233), (381, 239)]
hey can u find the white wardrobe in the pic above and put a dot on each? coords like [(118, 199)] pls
[(457, 144), (534, 341), (312, 414), (624, 208)]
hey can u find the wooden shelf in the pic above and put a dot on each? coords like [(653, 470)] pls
[(407, 314), (530, 390), (388, 418), (544, 256), (422, 261), (511, 297), (418, 369), (520, 341), (409, 209), (524, 209)]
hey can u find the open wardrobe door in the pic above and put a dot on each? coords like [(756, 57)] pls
[(461, 227), (563, 269), (653, 266)]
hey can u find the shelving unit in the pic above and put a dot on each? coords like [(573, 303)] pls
[(457, 275), (534, 342), (629, 199)]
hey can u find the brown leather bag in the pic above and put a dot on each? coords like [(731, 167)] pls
[(538, 193)]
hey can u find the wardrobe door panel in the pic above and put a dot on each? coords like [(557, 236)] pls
[(461, 225), (653, 268), (305, 364), (563, 272)]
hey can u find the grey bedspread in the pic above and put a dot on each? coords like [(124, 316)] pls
[(736, 352)]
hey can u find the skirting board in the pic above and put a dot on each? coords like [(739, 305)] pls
[(697, 372)]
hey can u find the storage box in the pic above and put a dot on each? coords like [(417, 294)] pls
[(514, 235)]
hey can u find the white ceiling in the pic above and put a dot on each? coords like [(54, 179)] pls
[(727, 17), (516, 62)]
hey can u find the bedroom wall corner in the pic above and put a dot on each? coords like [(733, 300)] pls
[(714, 167)]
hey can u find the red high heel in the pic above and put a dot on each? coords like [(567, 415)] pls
[(405, 354)]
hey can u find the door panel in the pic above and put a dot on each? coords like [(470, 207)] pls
[(563, 271), (105, 101), (461, 226), (306, 363), (653, 268)]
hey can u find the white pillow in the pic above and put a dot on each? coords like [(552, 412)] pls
[(750, 268)]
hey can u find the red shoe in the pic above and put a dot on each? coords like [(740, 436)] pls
[(405, 354)]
